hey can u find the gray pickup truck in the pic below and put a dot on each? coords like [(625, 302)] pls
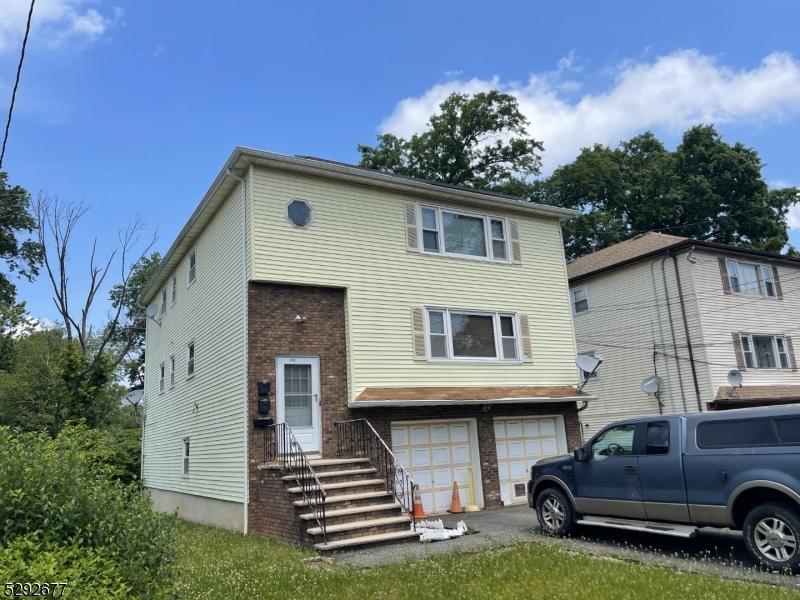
[(673, 474)]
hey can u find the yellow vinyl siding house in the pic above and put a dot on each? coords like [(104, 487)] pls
[(665, 305), (439, 314)]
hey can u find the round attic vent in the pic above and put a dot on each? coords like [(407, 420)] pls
[(299, 213)]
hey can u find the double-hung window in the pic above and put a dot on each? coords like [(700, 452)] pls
[(174, 288), (192, 266), (749, 279), (190, 360), (764, 351), (172, 371), (164, 301), (161, 370), (472, 335), (185, 471), (580, 300), (462, 233)]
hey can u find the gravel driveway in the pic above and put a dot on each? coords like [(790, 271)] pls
[(716, 551)]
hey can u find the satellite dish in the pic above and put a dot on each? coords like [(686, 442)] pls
[(152, 310), (735, 378), (587, 362), (652, 384)]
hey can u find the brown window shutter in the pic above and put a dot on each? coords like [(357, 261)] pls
[(737, 346), (516, 252), (723, 271), (525, 338), (790, 348), (412, 233), (418, 328), (777, 281)]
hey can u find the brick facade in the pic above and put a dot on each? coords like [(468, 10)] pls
[(273, 331)]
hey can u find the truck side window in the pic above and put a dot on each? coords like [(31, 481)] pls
[(657, 439), (788, 430), (617, 441)]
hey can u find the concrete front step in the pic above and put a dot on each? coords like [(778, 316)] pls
[(333, 474), (354, 499), (368, 540), (354, 511), (321, 464), (356, 525), (342, 485)]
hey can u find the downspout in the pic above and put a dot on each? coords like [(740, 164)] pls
[(688, 339), (672, 331), (244, 344), (661, 335)]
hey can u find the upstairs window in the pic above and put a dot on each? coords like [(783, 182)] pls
[(462, 233), (468, 335), (586, 375), (174, 288), (192, 266), (580, 300), (164, 301), (172, 371), (764, 351), (161, 377), (750, 279), (185, 472), (190, 360)]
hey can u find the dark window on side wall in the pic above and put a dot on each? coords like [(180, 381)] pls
[(657, 438), (734, 434)]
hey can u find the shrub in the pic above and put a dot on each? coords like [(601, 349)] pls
[(63, 496)]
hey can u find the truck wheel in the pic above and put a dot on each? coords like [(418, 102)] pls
[(772, 533), (554, 512)]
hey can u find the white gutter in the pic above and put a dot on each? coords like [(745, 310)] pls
[(537, 400)]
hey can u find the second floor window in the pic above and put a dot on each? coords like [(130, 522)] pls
[(447, 231), (750, 279), (192, 266), (174, 288), (465, 335), (171, 371), (190, 360), (161, 378), (164, 301), (764, 352), (580, 300)]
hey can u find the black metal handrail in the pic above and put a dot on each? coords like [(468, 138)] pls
[(358, 439), (281, 446)]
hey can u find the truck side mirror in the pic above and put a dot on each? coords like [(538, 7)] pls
[(579, 454)]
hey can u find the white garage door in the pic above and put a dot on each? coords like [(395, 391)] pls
[(435, 455), (520, 443)]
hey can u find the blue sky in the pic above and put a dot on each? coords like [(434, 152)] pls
[(134, 106)]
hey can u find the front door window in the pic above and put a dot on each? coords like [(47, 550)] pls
[(297, 394)]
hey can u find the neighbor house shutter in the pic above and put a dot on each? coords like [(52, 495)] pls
[(723, 271), (790, 348), (525, 338), (777, 281), (737, 346), (516, 253), (412, 232), (418, 328)]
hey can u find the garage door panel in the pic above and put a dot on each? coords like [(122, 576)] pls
[(420, 457), (402, 457), (548, 427), (531, 429), (419, 436), (423, 479), (461, 475), (441, 455), (514, 429), (458, 433), (460, 454), (550, 447), (502, 469), (439, 434), (499, 429), (533, 447), (518, 469), (501, 450), (516, 449), (399, 437)]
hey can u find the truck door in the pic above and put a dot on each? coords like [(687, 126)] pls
[(608, 483), (661, 472)]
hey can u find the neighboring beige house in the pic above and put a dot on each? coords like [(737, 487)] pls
[(440, 314), (690, 312)]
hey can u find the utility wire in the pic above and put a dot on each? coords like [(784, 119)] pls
[(16, 83)]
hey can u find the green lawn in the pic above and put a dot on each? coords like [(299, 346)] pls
[(220, 564)]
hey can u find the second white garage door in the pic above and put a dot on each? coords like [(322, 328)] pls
[(520, 443), (435, 455)]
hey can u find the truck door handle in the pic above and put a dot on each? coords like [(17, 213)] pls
[(630, 470)]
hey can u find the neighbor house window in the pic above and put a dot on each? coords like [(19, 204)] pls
[(185, 457), (161, 378), (465, 335), (461, 233), (192, 266), (750, 279), (580, 300), (764, 351), (171, 371), (190, 360), (164, 301), (174, 288), (586, 375)]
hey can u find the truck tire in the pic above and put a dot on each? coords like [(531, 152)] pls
[(554, 512), (772, 535)]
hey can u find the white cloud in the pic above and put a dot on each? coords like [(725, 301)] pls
[(669, 94), (55, 22)]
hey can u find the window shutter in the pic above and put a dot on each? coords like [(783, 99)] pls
[(412, 233), (418, 328), (790, 348), (777, 282), (737, 346), (525, 338), (516, 253), (723, 271)]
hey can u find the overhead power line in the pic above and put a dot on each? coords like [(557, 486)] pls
[(16, 83)]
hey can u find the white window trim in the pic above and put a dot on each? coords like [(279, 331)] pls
[(572, 300), (762, 286), (498, 342), (172, 371), (163, 302), (185, 457), (487, 233), (162, 371), (189, 278), (174, 289), (191, 344), (776, 354)]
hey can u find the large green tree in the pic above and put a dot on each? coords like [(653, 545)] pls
[(479, 141), (705, 189)]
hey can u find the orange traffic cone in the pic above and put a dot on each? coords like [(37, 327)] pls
[(455, 505), (418, 512)]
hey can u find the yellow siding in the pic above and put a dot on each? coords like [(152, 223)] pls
[(208, 409), (358, 241)]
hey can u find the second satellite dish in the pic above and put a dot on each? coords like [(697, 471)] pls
[(652, 385), (152, 310), (735, 378)]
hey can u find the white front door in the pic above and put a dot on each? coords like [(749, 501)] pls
[(298, 399)]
